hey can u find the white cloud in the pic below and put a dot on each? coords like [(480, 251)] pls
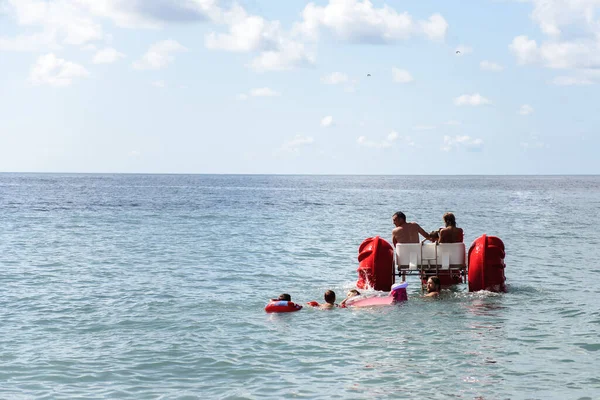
[(107, 56), (335, 78), (401, 75), (423, 127), (52, 24), (289, 55), (159, 55), (327, 121), (456, 142), (571, 81), (296, 143), (565, 55), (65, 22), (579, 48), (382, 144), (246, 33), (252, 33), (526, 109), (159, 84), (150, 14), (578, 54), (551, 16), (525, 50), (54, 71), (471, 100), (490, 66), (361, 22), (463, 50), (435, 27)]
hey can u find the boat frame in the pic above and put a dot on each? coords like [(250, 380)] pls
[(447, 261)]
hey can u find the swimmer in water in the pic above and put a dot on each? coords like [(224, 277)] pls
[(351, 293), (434, 286), (283, 297), (329, 300)]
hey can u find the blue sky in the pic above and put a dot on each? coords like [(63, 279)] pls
[(266, 86)]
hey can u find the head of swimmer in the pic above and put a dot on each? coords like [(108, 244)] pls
[(434, 284), (399, 218), (285, 296), (352, 293), (329, 297)]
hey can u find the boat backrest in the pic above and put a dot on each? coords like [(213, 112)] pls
[(451, 255), (408, 255)]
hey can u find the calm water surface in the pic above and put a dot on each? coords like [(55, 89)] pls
[(153, 287)]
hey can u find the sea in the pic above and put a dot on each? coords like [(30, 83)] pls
[(118, 286)]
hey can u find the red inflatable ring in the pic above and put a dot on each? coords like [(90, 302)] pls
[(279, 306)]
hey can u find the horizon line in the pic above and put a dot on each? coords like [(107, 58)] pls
[(274, 174)]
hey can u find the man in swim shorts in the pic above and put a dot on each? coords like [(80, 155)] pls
[(406, 232)]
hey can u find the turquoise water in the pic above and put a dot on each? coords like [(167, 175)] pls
[(153, 287)]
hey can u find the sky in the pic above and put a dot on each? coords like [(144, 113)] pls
[(295, 87)]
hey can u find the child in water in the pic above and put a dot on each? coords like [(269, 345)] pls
[(283, 297), (329, 300), (351, 293)]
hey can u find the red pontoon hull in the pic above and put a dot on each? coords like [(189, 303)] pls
[(486, 265), (376, 264)]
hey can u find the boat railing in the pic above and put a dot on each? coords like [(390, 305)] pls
[(429, 259)]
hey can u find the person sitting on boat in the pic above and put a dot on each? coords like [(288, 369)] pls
[(450, 233), (351, 293), (406, 232), (434, 286)]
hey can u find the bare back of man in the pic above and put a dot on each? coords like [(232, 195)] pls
[(451, 234), (406, 232)]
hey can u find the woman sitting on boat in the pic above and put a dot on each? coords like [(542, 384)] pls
[(450, 233)]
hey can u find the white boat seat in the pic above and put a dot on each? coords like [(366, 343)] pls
[(413, 263), (449, 255)]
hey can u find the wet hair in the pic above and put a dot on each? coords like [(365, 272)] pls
[(354, 292), (436, 281), (330, 296), (400, 215), (449, 219), (285, 296)]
